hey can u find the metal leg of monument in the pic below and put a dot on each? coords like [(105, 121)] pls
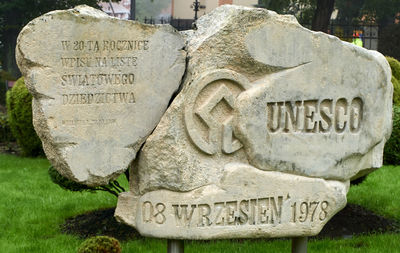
[(175, 246), (299, 244)]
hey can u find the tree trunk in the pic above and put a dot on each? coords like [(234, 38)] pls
[(322, 15)]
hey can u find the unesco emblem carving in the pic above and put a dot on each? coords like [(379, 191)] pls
[(208, 112)]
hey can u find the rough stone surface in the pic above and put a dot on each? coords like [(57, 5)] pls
[(243, 62), (327, 115), (272, 122), (100, 86), (246, 203)]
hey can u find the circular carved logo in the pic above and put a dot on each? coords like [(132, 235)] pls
[(208, 110)]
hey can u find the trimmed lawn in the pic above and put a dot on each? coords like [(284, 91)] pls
[(380, 192), (32, 208)]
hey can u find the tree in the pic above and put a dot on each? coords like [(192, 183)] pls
[(382, 12), (302, 9), (349, 11), (322, 15), (15, 14), (317, 12)]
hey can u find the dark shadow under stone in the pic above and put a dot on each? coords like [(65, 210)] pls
[(356, 220), (99, 222), (352, 220)]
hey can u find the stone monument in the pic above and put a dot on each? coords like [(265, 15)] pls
[(270, 123), (100, 85)]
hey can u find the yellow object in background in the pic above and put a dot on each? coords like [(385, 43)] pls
[(357, 38)]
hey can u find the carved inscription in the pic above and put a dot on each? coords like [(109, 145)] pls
[(98, 98), (97, 68), (153, 213), (97, 79), (208, 111), (97, 73), (307, 211), (257, 211), (105, 45), (315, 116)]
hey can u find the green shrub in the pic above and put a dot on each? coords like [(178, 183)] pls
[(395, 67), (19, 109), (113, 187), (5, 131), (391, 153), (396, 91), (100, 244), (389, 41)]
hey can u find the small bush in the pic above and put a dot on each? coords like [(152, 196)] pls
[(389, 41), (100, 244), (391, 153), (395, 67), (396, 91), (19, 109)]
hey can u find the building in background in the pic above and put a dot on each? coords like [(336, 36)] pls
[(177, 9), (117, 9), (183, 9)]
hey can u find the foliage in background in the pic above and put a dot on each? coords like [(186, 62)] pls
[(389, 42), (5, 131), (382, 12), (113, 187), (391, 153), (19, 110), (396, 91), (395, 67), (349, 11), (100, 244), (302, 9), (314, 12), (16, 14), (4, 76)]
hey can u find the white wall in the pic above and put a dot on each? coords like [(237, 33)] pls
[(248, 3)]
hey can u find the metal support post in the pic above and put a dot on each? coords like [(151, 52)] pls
[(195, 6), (299, 244), (175, 246)]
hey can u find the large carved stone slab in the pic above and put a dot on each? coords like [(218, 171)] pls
[(261, 89), (100, 86), (246, 203), (328, 114), (270, 114)]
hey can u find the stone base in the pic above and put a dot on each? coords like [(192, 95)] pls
[(246, 203)]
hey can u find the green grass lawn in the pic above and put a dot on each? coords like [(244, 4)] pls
[(32, 208)]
